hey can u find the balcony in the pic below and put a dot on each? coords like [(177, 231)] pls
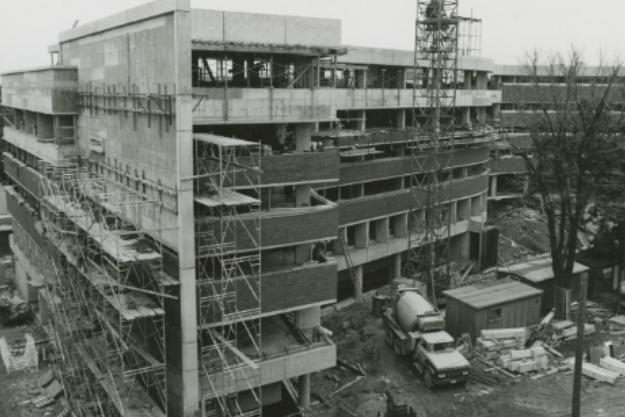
[(48, 90), (285, 353), (48, 149), (401, 166), (283, 288), (296, 167), (23, 214), (282, 226), (383, 205)]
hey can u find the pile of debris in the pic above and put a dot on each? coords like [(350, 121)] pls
[(13, 309)]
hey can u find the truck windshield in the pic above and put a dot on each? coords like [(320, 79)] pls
[(438, 347)]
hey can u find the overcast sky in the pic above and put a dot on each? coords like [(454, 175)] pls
[(510, 27)]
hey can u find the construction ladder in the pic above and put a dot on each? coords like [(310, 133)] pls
[(352, 271)]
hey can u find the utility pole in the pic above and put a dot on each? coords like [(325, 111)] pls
[(579, 351)]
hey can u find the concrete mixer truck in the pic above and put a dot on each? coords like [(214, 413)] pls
[(415, 328)]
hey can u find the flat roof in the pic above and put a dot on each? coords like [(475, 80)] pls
[(483, 296), (40, 69), (538, 270)]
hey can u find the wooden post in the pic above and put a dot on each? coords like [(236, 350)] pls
[(579, 350)]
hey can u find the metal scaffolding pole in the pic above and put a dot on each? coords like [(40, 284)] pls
[(228, 233), (105, 246), (434, 101)]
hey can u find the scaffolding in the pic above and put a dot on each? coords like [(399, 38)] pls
[(107, 295), (470, 37), (227, 236), (434, 99)]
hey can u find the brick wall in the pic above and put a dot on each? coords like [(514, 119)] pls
[(362, 209), (393, 167), (297, 167), (282, 290), (287, 230)]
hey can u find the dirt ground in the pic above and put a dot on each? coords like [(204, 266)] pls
[(360, 340)]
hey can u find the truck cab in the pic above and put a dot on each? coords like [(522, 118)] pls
[(437, 359)]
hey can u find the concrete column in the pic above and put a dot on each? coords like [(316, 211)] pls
[(493, 186), (303, 253), (183, 377), (400, 223), (481, 114), (526, 184), (381, 230), (496, 110), (308, 318), (481, 80), (400, 119), (468, 80), (465, 116), (359, 277), (303, 133), (361, 123), (304, 391), (397, 271), (362, 235), (302, 195), (361, 78)]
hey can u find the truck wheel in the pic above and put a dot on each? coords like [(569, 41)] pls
[(397, 347), (390, 337), (427, 378)]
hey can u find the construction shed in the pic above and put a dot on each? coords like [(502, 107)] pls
[(539, 274), (502, 304)]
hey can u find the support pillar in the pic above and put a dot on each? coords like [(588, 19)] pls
[(400, 119), (362, 235), (468, 80), (303, 133), (361, 123), (304, 391), (493, 186), (397, 266), (465, 116), (481, 114), (359, 279)]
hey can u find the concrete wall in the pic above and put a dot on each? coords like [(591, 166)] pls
[(43, 90), (219, 26), (136, 57), (255, 105), (362, 209)]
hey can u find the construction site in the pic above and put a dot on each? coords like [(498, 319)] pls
[(227, 214)]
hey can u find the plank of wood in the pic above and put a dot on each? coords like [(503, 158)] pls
[(349, 384), (234, 350), (495, 366)]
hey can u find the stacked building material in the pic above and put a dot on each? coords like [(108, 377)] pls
[(500, 342), (525, 360)]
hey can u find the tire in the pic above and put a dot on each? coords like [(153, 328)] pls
[(397, 347), (390, 337), (428, 380)]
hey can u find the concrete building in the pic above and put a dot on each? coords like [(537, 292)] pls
[(182, 179)]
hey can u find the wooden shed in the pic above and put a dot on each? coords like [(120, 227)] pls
[(502, 304), (539, 274)]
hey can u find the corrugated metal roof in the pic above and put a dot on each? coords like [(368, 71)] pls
[(505, 290), (538, 270)]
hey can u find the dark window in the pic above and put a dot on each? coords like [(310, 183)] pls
[(494, 315)]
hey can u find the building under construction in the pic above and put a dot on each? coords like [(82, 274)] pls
[(189, 187)]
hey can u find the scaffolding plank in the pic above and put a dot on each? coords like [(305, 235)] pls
[(227, 198), (223, 141)]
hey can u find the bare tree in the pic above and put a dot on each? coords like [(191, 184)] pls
[(575, 120)]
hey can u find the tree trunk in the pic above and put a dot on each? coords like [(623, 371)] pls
[(579, 350)]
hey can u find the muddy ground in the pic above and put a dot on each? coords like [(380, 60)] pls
[(360, 340)]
